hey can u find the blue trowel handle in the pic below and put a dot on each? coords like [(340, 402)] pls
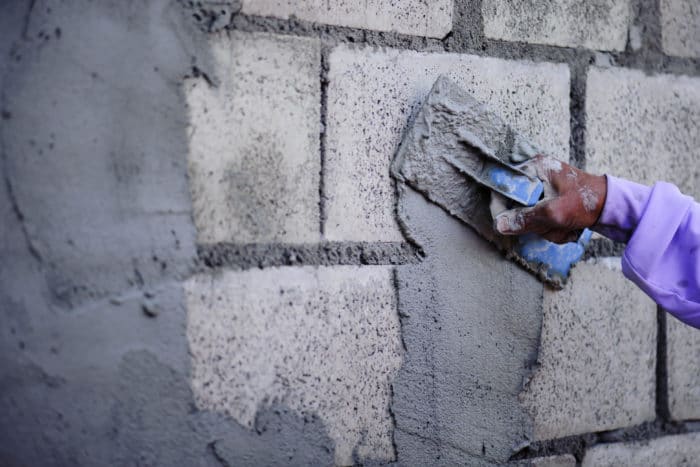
[(511, 184), (500, 177)]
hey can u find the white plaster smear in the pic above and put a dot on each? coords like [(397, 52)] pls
[(588, 197), (322, 341), (550, 164), (611, 262)]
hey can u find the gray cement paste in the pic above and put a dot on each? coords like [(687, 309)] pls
[(470, 324), (470, 321), (96, 225)]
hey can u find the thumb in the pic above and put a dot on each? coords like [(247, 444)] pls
[(521, 220)]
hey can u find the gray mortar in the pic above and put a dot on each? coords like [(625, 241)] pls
[(95, 143), (249, 256), (603, 248), (91, 100), (663, 411), (58, 410), (457, 341)]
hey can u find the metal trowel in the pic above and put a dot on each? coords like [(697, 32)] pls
[(459, 154)]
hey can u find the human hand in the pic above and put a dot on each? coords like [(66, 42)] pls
[(573, 200)]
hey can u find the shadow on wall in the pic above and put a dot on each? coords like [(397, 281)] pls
[(95, 239)]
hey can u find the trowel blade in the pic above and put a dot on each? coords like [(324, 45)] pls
[(426, 161)]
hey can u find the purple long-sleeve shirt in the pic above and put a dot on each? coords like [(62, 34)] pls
[(662, 229)]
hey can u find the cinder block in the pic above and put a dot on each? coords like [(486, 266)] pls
[(667, 451), (416, 17), (599, 25), (644, 128), (322, 341), (371, 96), (254, 157), (680, 27), (597, 355), (565, 460), (683, 367)]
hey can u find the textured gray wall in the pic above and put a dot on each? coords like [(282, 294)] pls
[(295, 308), (96, 235)]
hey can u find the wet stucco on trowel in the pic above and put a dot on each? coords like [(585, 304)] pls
[(470, 347), (463, 157)]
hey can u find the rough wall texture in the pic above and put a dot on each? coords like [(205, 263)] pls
[(580, 387), (323, 341), (254, 160), (680, 21), (596, 24), (431, 19), (206, 262)]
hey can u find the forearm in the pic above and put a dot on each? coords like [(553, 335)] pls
[(662, 228)]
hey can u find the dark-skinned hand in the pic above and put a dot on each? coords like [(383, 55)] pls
[(573, 201)]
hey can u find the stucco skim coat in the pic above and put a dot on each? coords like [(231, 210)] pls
[(96, 239)]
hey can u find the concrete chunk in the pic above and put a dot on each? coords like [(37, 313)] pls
[(322, 341), (683, 367), (371, 96), (644, 128), (669, 450), (680, 27), (599, 24), (254, 157), (597, 355), (416, 17)]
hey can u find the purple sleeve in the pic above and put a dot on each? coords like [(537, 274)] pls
[(662, 230)]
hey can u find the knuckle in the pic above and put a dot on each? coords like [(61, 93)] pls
[(549, 211), (555, 214)]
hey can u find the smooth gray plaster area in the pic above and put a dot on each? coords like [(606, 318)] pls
[(477, 344), (96, 236), (477, 347)]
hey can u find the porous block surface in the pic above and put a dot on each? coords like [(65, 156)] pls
[(680, 27), (565, 460), (254, 159), (321, 341), (683, 369), (644, 128), (597, 355), (599, 24), (373, 93), (676, 450), (415, 17)]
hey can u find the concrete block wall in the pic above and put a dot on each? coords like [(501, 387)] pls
[(206, 261)]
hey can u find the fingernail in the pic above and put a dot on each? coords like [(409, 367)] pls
[(503, 223)]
